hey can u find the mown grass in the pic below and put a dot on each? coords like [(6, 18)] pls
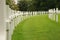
[(37, 28)]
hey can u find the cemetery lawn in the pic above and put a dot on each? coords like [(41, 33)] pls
[(37, 28)]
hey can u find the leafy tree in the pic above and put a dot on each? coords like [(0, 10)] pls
[(12, 5), (22, 5), (8, 2), (39, 5)]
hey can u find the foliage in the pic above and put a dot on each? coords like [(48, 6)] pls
[(8, 2), (38, 5), (12, 5), (34, 5), (22, 5)]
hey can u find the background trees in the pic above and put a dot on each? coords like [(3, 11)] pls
[(22, 5), (12, 4), (34, 5)]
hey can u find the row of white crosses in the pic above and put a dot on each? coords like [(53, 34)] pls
[(12, 17), (53, 14), (9, 22)]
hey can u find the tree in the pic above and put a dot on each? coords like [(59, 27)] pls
[(39, 5), (8, 2), (22, 5), (12, 5)]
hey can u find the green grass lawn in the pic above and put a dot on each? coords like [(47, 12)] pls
[(37, 28)]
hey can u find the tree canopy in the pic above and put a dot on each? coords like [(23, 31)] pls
[(12, 5), (34, 5), (38, 5)]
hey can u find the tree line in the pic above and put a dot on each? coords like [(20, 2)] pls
[(38, 5), (34, 5)]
